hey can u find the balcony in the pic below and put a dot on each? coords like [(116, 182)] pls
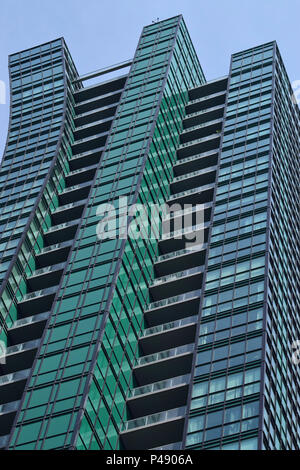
[(82, 175), (164, 365), (168, 335), (105, 88), (186, 259), (68, 212), (191, 180), (61, 232), (97, 114), (159, 396), (177, 283), (204, 102), (19, 357), (157, 429), (98, 103), (12, 385), (75, 193), (183, 238), (186, 217), (28, 328), (89, 143), (173, 308), (213, 86), (102, 89), (92, 128), (201, 130), (196, 162), (7, 415), (37, 302), (45, 277), (58, 252), (200, 117), (197, 146), (198, 195), (85, 159)]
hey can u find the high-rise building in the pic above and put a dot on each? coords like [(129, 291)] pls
[(151, 340)]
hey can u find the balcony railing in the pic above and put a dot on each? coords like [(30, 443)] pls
[(75, 187), (175, 276), (199, 141), (62, 226), (94, 123), (84, 154), (196, 157), (180, 233), (194, 173), (203, 111), (68, 206), (28, 320), (97, 98), (175, 299), (189, 192), (204, 98), (23, 347), (39, 293), (86, 139), (189, 210), (9, 407), (169, 326), (154, 419), (20, 375), (81, 170), (157, 386), (56, 246), (200, 126), (185, 251), (151, 358), (48, 269)]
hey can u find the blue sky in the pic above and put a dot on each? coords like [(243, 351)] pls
[(104, 32)]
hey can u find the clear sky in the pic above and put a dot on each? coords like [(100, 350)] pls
[(104, 32)]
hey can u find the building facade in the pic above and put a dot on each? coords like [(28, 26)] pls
[(115, 336)]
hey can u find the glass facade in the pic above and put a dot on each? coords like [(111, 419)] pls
[(226, 394), (140, 343)]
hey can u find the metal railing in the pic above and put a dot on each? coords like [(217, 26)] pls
[(200, 126), (196, 157), (182, 252), (169, 326), (19, 375), (164, 354), (204, 98), (194, 173), (199, 141), (175, 299), (29, 320), (176, 276), (188, 192), (153, 419), (157, 386)]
